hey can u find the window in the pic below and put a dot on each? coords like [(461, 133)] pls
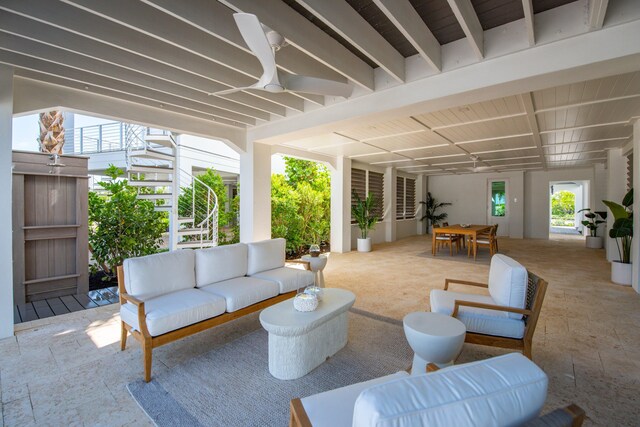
[(498, 198), (405, 198), (364, 182)]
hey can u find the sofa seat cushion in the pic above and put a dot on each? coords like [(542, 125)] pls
[(154, 275), (242, 292), (288, 279), (478, 320), (265, 255), (220, 263), (508, 283), (507, 390), (175, 310), (334, 408)]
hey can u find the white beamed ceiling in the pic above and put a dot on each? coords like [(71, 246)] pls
[(170, 55)]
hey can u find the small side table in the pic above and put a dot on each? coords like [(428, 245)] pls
[(317, 264), (434, 337)]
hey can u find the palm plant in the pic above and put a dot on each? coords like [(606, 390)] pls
[(431, 210), (622, 229), (51, 137), (363, 213)]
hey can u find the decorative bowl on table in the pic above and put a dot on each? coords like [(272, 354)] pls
[(315, 290), (305, 302), (465, 225)]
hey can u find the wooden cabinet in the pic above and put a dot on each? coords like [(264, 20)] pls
[(50, 235)]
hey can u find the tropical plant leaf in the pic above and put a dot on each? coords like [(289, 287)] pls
[(628, 199), (617, 210)]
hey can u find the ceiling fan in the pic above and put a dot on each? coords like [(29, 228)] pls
[(479, 168), (264, 43)]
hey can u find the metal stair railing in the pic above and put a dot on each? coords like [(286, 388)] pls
[(208, 225)]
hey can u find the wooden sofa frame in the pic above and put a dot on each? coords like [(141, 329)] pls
[(149, 342), (298, 416), (536, 289)]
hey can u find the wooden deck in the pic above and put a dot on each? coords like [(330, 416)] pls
[(62, 305)]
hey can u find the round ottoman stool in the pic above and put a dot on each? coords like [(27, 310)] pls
[(434, 337)]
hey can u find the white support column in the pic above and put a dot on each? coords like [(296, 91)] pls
[(6, 250), (635, 245), (341, 205), (255, 193), (421, 195), (390, 204), (616, 189)]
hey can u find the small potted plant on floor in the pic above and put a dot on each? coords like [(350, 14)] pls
[(592, 222), (622, 232), (364, 216)]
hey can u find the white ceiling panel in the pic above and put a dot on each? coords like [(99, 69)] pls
[(472, 112), (351, 149), (510, 154), (410, 140), (383, 129), (496, 128), (325, 140), (500, 144)]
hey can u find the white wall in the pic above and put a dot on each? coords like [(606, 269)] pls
[(470, 198)]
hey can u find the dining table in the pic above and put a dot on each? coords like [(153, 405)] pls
[(468, 230)]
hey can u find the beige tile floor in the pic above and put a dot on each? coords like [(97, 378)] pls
[(68, 370)]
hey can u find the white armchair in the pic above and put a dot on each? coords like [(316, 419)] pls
[(507, 317), (502, 391)]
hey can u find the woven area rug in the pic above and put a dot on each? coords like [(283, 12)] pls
[(231, 385)]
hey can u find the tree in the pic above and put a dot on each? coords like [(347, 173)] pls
[(51, 138), (563, 203), (122, 226)]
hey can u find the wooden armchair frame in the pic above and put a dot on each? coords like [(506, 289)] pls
[(536, 289), (149, 342)]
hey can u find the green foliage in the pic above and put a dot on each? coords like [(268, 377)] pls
[(592, 222), (432, 206), (301, 204), (622, 229), (563, 203), (121, 225), (363, 213)]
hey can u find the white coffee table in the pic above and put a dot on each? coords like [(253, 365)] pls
[(299, 342), (434, 337), (317, 264)]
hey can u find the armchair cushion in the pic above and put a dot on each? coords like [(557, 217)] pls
[(478, 320), (266, 255), (504, 390), (173, 311), (508, 283), (242, 292), (154, 275), (288, 279), (340, 401), (220, 263)]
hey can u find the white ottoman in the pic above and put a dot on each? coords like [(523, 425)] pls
[(434, 337), (299, 342)]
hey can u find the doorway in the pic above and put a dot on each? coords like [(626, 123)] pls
[(498, 205), (566, 199)]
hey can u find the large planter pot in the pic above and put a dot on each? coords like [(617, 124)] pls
[(594, 242), (364, 245), (621, 273)]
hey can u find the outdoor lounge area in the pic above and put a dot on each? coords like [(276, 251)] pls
[(422, 212)]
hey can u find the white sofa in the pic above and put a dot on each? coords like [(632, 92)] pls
[(508, 390), (170, 295)]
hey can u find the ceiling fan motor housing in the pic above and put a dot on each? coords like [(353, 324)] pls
[(275, 40)]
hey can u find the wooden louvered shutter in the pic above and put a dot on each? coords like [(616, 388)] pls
[(629, 171), (410, 198), (359, 185), (376, 187), (399, 197)]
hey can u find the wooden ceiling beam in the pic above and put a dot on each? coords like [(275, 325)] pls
[(308, 38), (468, 20), (402, 14), (155, 23), (217, 19), (527, 6), (529, 108), (158, 99), (84, 24), (344, 20)]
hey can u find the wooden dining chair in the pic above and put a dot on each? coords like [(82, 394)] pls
[(461, 237), (488, 241), (448, 239)]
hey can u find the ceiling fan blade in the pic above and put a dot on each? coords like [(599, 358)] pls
[(232, 90), (256, 39), (316, 86)]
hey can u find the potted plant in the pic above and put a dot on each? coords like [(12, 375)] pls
[(363, 214), (592, 222), (622, 231), (431, 207)]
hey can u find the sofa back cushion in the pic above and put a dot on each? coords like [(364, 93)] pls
[(508, 283), (504, 390), (265, 255), (220, 263), (154, 275)]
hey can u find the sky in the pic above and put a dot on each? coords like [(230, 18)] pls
[(25, 134)]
